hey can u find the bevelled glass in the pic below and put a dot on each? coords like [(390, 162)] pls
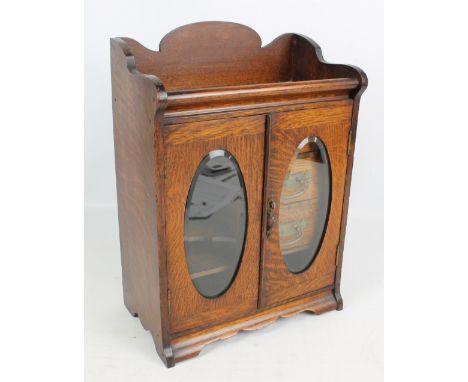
[(215, 223), (304, 204)]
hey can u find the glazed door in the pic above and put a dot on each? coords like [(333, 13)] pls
[(304, 197), (214, 180)]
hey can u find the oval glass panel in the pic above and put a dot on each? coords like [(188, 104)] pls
[(304, 204), (215, 223)]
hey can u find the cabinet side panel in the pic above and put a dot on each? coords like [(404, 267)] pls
[(344, 216), (135, 103), (308, 62)]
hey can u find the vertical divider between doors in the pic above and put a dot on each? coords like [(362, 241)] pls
[(263, 238)]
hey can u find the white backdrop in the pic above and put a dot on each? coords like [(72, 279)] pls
[(338, 346), (349, 32)]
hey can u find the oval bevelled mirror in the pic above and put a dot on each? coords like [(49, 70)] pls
[(304, 204), (215, 223)]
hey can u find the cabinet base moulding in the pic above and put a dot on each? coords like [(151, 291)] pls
[(190, 345)]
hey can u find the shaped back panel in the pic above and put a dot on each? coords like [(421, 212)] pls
[(211, 54)]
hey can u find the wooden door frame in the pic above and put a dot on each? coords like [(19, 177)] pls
[(332, 126), (186, 145)]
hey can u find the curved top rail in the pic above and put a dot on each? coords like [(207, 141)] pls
[(218, 54), (209, 36)]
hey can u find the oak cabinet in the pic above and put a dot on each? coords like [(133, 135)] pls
[(233, 166)]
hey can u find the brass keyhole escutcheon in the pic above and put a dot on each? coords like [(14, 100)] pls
[(271, 216)]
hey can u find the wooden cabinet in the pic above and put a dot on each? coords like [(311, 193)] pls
[(233, 165)]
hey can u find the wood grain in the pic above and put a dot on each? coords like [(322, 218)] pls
[(344, 216), (210, 54), (219, 54), (194, 102), (213, 86), (187, 145), (138, 103), (187, 346), (288, 130)]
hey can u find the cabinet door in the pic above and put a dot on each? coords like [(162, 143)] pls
[(304, 197), (214, 178)]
